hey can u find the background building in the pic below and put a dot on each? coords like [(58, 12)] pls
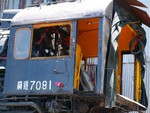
[(128, 60), (18, 4)]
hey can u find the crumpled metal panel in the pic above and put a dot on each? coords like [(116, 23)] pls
[(134, 2), (141, 15)]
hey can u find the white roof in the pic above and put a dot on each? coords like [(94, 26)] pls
[(12, 11), (4, 32), (61, 11)]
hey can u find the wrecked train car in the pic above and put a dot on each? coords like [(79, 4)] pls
[(67, 58)]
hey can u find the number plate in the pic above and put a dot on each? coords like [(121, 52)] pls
[(34, 85)]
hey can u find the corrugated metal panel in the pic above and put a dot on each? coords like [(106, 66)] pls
[(129, 67), (147, 29), (147, 85), (128, 77), (147, 75)]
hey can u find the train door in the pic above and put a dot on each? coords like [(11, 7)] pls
[(86, 54)]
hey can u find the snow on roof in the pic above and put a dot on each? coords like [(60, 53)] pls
[(12, 11), (61, 12)]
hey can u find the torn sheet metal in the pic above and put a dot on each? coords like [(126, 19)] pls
[(120, 19), (129, 6), (134, 2)]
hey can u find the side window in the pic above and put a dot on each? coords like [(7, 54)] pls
[(22, 43), (51, 41)]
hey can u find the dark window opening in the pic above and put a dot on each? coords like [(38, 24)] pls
[(51, 41)]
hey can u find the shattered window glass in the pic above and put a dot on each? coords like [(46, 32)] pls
[(51, 41)]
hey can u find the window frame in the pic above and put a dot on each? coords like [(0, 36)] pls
[(38, 26), (15, 45)]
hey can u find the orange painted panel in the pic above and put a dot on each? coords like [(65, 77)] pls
[(127, 34), (88, 37)]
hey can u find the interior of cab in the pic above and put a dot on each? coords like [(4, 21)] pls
[(51, 41), (86, 54), (54, 40), (129, 42)]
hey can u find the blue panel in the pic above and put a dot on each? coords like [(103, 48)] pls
[(39, 76), (100, 60)]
